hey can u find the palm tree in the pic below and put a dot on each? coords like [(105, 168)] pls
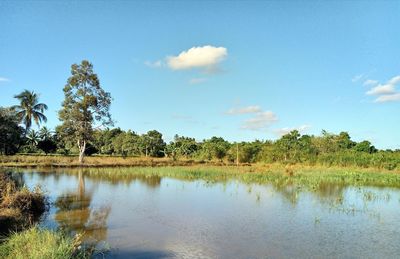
[(33, 138), (45, 133), (30, 108)]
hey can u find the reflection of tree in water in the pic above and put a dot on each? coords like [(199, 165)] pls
[(74, 214), (324, 191), (113, 176), (329, 191), (288, 190), (152, 181)]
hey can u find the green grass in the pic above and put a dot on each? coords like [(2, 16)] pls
[(301, 177), (36, 243)]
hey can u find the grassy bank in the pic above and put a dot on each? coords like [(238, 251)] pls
[(36, 243), (19, 207), (94, 161), (59, 161)]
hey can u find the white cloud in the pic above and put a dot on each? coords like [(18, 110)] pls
[(388, 98), (206, 57), (386, 92), (3, 79), (301, 129), (382, 89), (260, 121), (197, 80), (155, 64), (394, 81), (244, 110), (370, 82), (357, 78)]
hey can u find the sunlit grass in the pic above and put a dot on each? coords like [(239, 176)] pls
[(119, 161), (37, 243), (91, 161)]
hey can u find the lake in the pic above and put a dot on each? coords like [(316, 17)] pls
[(151, 216)]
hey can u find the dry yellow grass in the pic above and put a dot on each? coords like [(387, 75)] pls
[(94, 161), (18, 206), (52, 161)]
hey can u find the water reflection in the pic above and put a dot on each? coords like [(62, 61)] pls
[(112, 176), (329, 190), (74, 213)]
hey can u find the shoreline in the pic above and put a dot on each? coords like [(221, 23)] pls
[(31, 161), (50, 161)]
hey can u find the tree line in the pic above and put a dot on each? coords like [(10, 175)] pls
[(87, 129)]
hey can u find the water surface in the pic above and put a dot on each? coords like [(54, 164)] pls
[(162, 217)]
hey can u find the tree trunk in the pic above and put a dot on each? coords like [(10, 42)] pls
[(82, 147)]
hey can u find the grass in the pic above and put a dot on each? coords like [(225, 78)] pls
[(93, 161), (55, 161), (19, 207), (298, 176), (36, 243)]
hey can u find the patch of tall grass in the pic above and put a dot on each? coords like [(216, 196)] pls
[(36, 243), (19, 206)]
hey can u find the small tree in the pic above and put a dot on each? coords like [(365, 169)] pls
[(86, 106)]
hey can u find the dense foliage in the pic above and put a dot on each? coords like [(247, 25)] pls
[(10, 133)]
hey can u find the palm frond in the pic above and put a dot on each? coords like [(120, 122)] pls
[(39, 117), (40, 107)]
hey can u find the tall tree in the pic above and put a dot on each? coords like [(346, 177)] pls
[(30, 109), (86, 106)]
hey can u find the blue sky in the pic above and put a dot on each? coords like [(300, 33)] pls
[(241, 70)]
